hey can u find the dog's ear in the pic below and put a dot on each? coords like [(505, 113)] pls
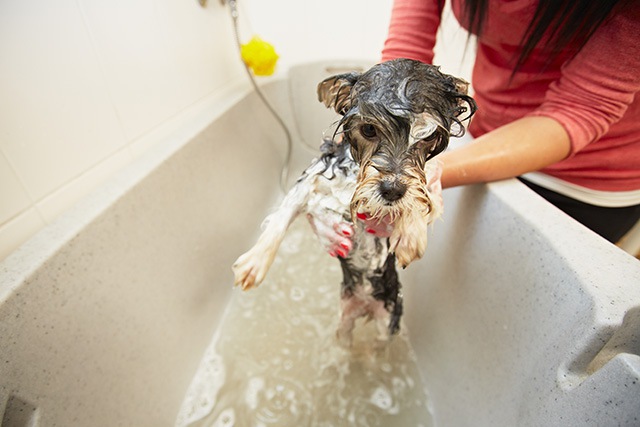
[(432, 136), (334, 92), (464, 104)]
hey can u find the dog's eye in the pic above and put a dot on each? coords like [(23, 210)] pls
[(368, 130)]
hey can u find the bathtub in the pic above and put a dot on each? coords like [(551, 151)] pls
[(517, 315)]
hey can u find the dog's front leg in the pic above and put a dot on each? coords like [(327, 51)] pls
[(409, 237), (251, 267)]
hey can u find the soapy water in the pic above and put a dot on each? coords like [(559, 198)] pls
[(275, 360)]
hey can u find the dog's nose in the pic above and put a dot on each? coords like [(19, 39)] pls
[(392, 190)]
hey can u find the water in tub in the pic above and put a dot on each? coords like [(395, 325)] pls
[(275, 360)]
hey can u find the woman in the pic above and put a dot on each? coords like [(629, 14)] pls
[(556, 84)]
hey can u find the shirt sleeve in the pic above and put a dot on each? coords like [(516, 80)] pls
[(412, 30), (597, 86)]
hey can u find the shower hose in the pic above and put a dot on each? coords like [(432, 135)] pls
[(233, 9)]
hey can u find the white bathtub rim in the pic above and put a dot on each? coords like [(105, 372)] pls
[(586, 246), (606, 319), (32, 255)]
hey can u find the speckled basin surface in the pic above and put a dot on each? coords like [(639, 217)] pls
[(518, 315)]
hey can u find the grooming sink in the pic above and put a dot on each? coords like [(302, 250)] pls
[(517, 315)]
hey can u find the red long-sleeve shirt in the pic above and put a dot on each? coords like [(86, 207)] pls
[(593, 96)]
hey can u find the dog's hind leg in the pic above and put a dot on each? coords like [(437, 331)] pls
[(251, 267), (382, 318), (352, 309)]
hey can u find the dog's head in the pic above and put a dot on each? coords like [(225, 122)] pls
[(395, 117)]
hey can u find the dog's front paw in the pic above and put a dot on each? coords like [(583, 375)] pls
[(250, 269), (409, 244)]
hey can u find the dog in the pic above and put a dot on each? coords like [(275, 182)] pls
[(374, 190)]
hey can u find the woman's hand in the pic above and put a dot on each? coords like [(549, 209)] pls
[(379, 227), (334, 233)]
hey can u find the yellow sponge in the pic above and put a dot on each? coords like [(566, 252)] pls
[(260, 56)]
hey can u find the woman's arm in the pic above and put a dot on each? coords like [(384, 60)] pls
[(525, 145), (412, 30)]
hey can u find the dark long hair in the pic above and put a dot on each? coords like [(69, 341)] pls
[(568, 23)]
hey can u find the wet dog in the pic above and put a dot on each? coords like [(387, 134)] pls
[(372, 193)]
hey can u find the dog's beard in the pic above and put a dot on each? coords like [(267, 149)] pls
[(409, 216)]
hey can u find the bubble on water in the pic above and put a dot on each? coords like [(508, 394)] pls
[(383, 400), (296, 294), (398, 385), (386, 367), (227, 418), (276, 361), (410, 381), (254, 387), (284, 403), (360, 412), (275, 295), (325, 289)]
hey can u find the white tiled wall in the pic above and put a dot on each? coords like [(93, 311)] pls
[(86, 86)]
